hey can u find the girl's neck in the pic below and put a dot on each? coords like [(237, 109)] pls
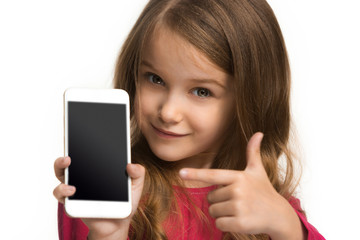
[(203, 160)]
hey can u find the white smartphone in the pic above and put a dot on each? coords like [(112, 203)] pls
[(97, 139)]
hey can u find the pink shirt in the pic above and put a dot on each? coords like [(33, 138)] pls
[(191, 228)]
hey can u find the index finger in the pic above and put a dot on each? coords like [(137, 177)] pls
[(212, 176), (59, 165)]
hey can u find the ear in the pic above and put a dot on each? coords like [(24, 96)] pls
[(253, 156)]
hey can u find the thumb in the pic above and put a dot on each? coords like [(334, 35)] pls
[(137, 174), (135, 171), (253, 156)]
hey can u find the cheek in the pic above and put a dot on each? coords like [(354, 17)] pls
[(141, 110), (211, 121), (137, 110), (144, 103)]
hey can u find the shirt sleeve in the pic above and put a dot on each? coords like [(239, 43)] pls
[(313, 233), (70, 228)]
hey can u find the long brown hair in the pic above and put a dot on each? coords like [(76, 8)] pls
[(242, 37)]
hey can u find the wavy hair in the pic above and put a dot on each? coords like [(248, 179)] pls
[(244, 38)]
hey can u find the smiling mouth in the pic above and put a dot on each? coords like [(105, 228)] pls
[(167, 134)]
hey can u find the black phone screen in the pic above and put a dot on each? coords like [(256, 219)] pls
[(98, 151)]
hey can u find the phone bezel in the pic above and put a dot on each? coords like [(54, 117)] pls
[(93, 208)]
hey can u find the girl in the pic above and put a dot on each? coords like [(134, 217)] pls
[(209, 83)]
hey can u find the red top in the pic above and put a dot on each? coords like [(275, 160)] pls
[(192, 228)]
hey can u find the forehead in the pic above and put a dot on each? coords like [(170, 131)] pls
[(167, 49)]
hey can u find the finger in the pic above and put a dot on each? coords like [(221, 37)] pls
[(223, 194), (60, 164), (62, 191), (136, 172), (253, 155), (223, 209), (226, 224), (236, 224), (212, 176)]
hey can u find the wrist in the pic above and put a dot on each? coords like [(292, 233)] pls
[(120, 233), (288, 225)]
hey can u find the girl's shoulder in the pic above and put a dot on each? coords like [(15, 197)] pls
[(313, 233)]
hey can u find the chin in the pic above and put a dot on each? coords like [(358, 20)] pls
[(168, 155)]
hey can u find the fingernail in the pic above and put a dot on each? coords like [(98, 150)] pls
[(131, 166), (70, 188), (261, 136), (183, 172)]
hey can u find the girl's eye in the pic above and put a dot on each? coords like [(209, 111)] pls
[(202, 92), (155, 79)]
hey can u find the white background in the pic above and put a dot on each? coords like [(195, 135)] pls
[(48, 46)]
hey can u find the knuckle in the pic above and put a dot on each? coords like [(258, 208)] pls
[(61, 190), (211, 175), (210, 197), (61, 187), (59, 194), (219, 224), (236, 192), (211, 211), (240, 177), (56, 192), (236, 206), (240, 224), (58, 161)]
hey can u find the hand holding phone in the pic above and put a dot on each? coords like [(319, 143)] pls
[(97, 221), (118, 228)]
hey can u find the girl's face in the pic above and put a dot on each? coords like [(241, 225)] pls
[(185, 102)]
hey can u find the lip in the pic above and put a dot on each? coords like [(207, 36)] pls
[(167, 134)]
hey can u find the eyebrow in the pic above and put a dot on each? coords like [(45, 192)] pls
[(146, 63), (210, 81)]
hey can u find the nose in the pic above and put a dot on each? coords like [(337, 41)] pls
[(170, 110)]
